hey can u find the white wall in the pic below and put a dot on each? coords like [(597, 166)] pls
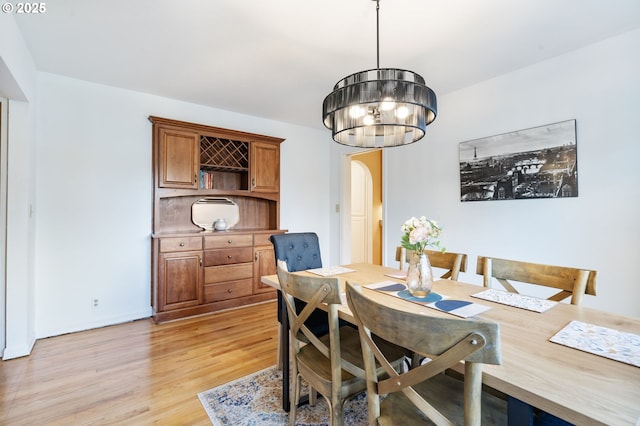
[(599, 87), (94, 196), (93, 180)]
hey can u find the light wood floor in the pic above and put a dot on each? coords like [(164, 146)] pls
[(139, 373)]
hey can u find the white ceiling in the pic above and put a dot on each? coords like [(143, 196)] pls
[(278, 59)]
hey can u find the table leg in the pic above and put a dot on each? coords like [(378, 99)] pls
[(284, 351), (519, 413)]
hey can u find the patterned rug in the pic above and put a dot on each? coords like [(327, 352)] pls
[(255, 400)]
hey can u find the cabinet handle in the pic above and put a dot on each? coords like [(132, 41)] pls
[(256, 256), (200, 260), (195, 178), (253, 182)]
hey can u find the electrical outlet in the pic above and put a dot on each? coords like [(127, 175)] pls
[(95, 303)]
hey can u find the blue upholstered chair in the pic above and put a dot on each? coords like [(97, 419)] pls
[(301, 251)]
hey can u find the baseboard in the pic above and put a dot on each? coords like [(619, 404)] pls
[(98, 323), (17, 351)]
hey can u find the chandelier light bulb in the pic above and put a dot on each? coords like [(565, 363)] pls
[(356, 111), (387, 104), (368, 120), (402, 112)]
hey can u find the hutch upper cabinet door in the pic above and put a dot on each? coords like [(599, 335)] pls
[(265, 167), (178, 158)]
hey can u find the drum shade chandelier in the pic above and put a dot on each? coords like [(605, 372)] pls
[(379, 108)]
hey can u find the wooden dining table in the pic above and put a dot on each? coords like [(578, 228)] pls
[(579, 387)]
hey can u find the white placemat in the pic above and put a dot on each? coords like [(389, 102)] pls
[(517, 300), (400, 275), (330, 270), (603, 341)]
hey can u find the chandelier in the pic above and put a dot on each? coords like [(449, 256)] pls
[(379, 108)]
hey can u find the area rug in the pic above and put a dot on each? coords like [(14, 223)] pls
[(257, 400)]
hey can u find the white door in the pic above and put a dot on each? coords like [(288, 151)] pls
[(361, 194)]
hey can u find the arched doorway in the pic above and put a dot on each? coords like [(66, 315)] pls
[(371, 163), (361, 213)]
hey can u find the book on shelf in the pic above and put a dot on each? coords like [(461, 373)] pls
[(206, 180)]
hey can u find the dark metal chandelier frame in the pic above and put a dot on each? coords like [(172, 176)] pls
[(381, 107)]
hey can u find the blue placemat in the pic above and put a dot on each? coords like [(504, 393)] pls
[(392, 287), (460, 308), (431, 297), (450, 305)]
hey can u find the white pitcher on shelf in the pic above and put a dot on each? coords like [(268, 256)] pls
[(220, 225)]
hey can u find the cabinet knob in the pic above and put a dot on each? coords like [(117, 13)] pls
[(229, 241), (229, 257), (229, 290), (181, 244)]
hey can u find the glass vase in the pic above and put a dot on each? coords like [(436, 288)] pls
[(419, 275)]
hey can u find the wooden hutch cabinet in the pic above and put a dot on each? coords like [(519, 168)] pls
[(195, 271)]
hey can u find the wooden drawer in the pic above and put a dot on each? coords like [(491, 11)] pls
[(218, 274), (228, 256), (263, 239), (180, 244), (227, 290), (227, 241)]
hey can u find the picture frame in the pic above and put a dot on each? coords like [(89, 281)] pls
[(538, 162)]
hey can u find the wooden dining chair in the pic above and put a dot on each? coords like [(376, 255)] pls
[(572, 282), (425, 392), (301, 251), (331, 364), (454, 263)]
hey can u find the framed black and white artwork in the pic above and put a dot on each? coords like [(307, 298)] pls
[(540, 162)]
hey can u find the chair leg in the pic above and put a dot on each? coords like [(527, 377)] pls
[(416, 359), (313, 396), (336, 410), (295, 400)]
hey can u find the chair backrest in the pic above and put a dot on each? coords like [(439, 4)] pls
[(454, 263), (314, 291), (300, 250), (572, 282), (447, 341), (402, 256)]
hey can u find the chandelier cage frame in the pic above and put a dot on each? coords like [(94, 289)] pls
[(379, 108)]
